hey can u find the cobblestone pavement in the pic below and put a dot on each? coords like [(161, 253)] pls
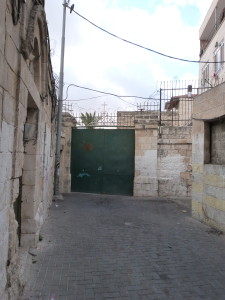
[(116, 248)]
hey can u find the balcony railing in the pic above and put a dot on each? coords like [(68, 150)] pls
[(205, 43)]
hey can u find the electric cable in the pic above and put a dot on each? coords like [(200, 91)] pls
[(140, 46), (86, 99), (105, 93)]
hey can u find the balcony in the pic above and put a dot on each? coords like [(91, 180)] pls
[(212, 23)]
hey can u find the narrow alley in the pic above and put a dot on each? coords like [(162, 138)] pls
[(112, 247)]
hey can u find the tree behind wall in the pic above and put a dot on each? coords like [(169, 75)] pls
[(89, 120)]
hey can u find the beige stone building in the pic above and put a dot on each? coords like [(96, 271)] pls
[(212, 38), (208, 196), (27, 135)]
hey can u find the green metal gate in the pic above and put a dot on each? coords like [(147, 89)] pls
[(102, 161)]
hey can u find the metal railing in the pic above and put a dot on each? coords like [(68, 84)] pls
[(174, 107)]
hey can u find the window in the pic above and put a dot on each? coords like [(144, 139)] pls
[(205, 75), (219, 57), (214, 142)]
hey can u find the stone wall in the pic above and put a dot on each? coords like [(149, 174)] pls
[(174, 161), (162, 160), (68, 121), (162, 157), (146, 138), (27, 135), (208, 196)]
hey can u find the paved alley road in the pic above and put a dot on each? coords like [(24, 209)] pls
[(116, 248)]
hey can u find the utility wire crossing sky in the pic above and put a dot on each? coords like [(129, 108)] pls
[(140, 46), (102, 63)]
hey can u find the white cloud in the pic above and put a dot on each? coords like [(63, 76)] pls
[(100, 61)]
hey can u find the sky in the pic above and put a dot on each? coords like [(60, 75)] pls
[(99, 61)]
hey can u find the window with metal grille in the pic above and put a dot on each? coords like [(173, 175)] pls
[(219, 57)]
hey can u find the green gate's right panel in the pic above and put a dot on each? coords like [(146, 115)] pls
[(102, 161), (118, 162)]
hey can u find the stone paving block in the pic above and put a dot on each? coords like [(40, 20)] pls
[(121, 248)]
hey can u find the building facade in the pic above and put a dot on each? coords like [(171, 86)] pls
[(27, 135), (208, 146), (212, 36)]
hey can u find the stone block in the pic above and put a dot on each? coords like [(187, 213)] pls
[(16, 185), (2, 26), (214, 180), (4, 137), (3, 79), (185, 175), (214, 202), (11, 129), (214, 192), (31, 147), (29, 226), (18, 167), (30, 162), (11, 53), (11, 79), (197, 168), (29, 240), (23, 95), (197, 208), (197, 187), (216, 217), (29, 178), (1, 104), (4, 195), (5, 166)]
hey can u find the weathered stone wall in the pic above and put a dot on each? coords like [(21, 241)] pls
[(146, 137), (27, 102), (208, 195), (68, 121), (174, 161), (162, 161)]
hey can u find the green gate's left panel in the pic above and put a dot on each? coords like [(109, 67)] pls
[(86, 160)]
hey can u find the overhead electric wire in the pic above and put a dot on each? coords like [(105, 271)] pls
[(140, 46), (106, 93), (126, 101), (86, 99)]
